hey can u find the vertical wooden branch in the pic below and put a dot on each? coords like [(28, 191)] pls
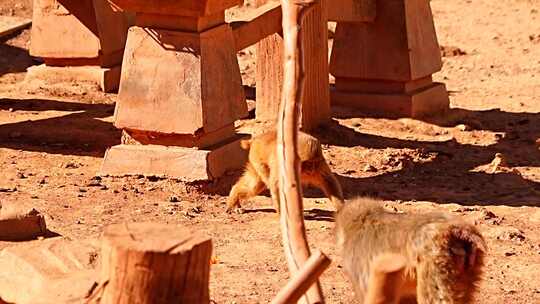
[(290, 194)]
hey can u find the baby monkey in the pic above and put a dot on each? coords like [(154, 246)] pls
[(262, 170), (443, 256)]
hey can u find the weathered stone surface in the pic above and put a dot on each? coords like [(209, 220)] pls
[(19, 223), (400, 45), (87, 29), (431, 100), (384, 67), (48, 271), (77, 28), (107, 79), (180, 83), (9, 24), (184, 163)]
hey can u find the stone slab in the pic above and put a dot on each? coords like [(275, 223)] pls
[(400, 45), (18, 223), (187, 164), (429, 101), (73, 20), (9, 24), (107, 79), (180, 82), (48, 271)]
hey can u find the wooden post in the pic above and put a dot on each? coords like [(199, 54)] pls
[(316, 100), (300, 283), (154, 263), (290, 195)]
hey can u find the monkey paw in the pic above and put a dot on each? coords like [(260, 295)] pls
[(237, 210)]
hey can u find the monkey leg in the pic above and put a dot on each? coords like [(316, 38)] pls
[(249, 185), (386, 279), (273, 185), (324, 179)]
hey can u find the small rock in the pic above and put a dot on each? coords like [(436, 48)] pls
[(5, 189), (82, 190), (451, 51), (21, 175), (369, 168), (466, 209), (42, 181), (72, 165), (490, 217), (463, 127), (152, 178), (94, 182), (510, 234), (173, 199), (187, 215), (196, 209)]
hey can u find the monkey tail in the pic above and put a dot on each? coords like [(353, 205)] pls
[(467, 243), (454, 267)]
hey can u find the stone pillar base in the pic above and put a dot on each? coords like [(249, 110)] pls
[(385, 67), (108, 79), (421, 102), (187, 164)]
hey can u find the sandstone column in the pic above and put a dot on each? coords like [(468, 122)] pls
[(180, 92), (385, 66), (79, 40)]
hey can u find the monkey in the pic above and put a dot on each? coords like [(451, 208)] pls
[(443, 255), (262, 170)]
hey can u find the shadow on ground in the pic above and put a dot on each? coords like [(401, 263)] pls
[(13, 59), (79, 132), (449, 177)]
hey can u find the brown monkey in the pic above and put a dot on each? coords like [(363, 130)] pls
[(262, 170), (444, 255)]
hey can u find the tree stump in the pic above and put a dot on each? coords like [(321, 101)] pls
[(154, 263)]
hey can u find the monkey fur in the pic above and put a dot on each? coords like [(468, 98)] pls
[(444, 256), (262, 170)]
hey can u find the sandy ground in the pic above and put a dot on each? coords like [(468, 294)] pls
[(52, 140)]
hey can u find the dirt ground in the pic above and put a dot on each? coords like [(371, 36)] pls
[(53, 138)]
